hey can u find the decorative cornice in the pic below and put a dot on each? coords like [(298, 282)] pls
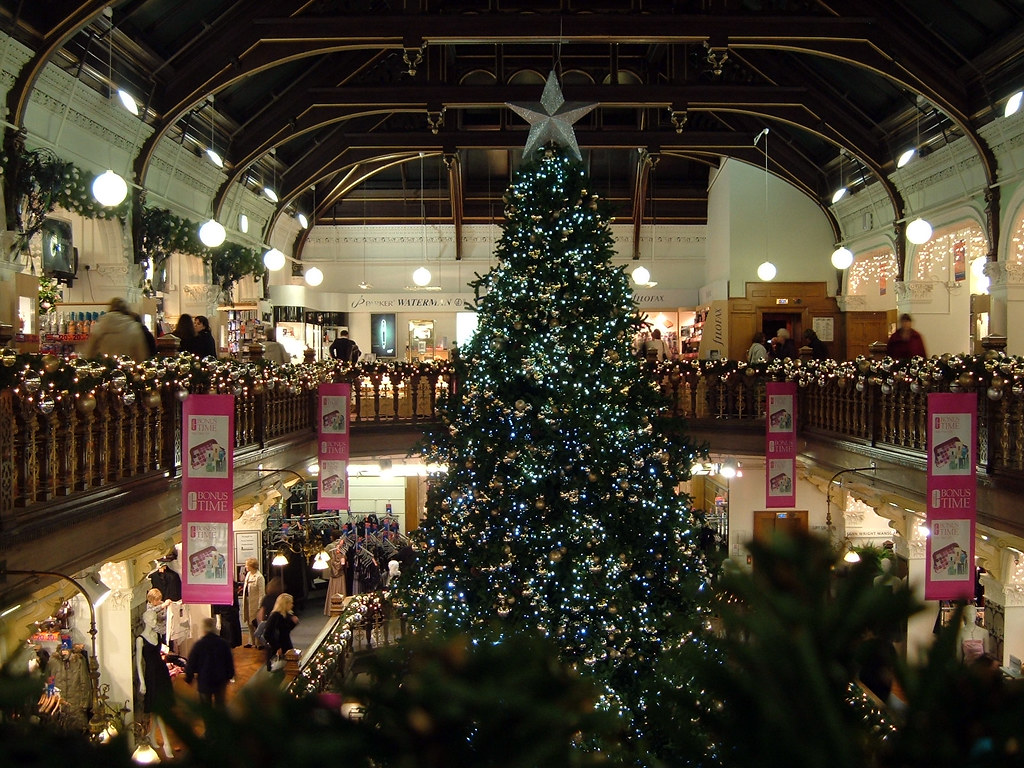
[(848, 303), (1005, 273), (201, 293), (915, 290), (121, 599)]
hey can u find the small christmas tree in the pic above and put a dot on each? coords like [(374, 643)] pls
[(560, 510)]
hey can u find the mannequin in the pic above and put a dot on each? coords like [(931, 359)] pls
[(154, 680), (972, 637), (338, 565)]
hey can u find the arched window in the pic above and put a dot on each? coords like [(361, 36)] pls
[(948, 256), (1015, 248), (871, 272)]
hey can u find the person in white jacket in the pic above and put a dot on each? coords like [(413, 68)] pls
[(117, 333)]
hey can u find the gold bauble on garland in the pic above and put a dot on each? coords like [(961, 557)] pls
[(51, 363), (86, 403)]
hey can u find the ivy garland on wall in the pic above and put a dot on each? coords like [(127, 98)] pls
[(37, 181)]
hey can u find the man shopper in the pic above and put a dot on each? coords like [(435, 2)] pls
[(343, 348), (211, 661)]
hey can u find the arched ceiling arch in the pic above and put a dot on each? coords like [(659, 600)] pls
[(329, 91)]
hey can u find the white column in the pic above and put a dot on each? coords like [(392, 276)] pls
[(114, 648), (1007, 307)]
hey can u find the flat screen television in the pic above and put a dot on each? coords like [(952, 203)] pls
[(59, 257)]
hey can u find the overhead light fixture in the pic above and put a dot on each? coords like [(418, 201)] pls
[(421, 277), (144, 754), (919, 231), (8, 611), (268, 189), (314, 277), (95, 590), (322, 561), (1013, 104), (212, 233), (109, 189), (386, 468), (243, 223), (273, 260), (765, 270), (839, 194), (303, 221), (280, 559), (728, 469), (313, 469), (211, 152), (128, 101), (842, 257), (641, 275), (906, 157), (923, 529), (851, 556)]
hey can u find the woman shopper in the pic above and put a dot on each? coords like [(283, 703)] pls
[(278, 635)]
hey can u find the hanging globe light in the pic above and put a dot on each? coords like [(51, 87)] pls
[(212, 233), (641, 275), (109, 189), (273, 259), (842, 258), (421, 277), (919, 231), (766, 271), (314, 277)]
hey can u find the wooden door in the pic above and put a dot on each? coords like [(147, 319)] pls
[(863, 329), (767, 522)]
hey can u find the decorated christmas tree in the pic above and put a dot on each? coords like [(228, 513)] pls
[(559, 512)]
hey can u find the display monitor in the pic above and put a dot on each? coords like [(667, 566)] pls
[(383, 342), (59, 257)]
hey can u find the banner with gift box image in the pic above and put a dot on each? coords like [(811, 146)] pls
[(207, 498), (952, 496), (333, 445), (780, 444)]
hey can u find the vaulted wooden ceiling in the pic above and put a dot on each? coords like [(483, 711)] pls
[(395, 111)]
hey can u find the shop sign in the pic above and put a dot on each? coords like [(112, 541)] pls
[(444, 302), (952, 496), (207, 499), (780, 445), (333, 445)]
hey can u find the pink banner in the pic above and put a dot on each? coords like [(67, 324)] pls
[(333, 446), (952, 496), (780, 445), (207, 498)]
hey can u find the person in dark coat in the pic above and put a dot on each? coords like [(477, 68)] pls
[(279, 628), (185, 330), (818, 349), (783, 346), (211, 661), (206, 346), (344, 349)]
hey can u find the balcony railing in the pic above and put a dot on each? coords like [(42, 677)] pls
[(73, 433)]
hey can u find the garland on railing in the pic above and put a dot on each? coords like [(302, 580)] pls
[(323, 664), (992, 372), (48, 377), (49, 381)]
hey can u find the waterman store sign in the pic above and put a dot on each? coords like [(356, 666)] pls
[(460, 302), (410, 302)]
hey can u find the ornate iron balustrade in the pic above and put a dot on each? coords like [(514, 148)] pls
[(64, 449)]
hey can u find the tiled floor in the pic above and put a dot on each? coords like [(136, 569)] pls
[(250, 663)]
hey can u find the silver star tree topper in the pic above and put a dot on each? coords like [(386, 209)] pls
[(554, 123)]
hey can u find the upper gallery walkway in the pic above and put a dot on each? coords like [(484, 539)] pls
[(90, 452)]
